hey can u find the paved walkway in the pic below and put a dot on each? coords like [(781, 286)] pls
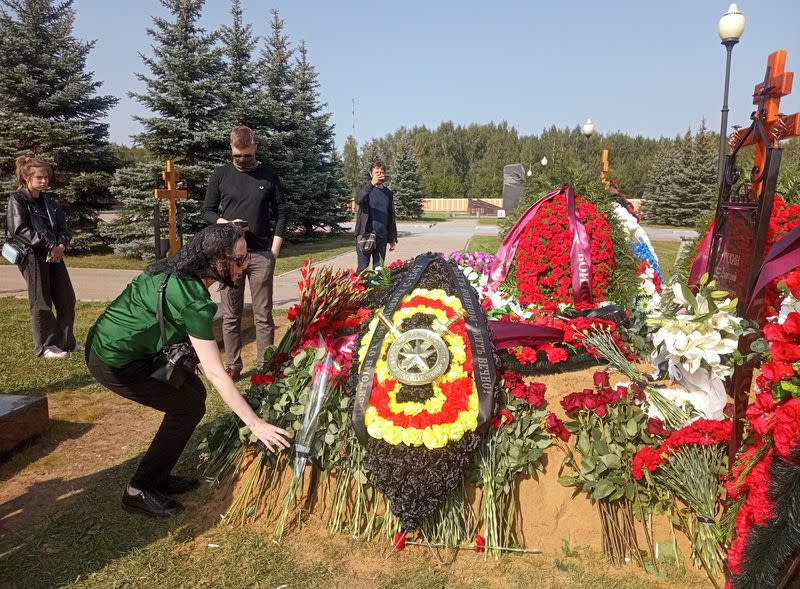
[(414, 239)]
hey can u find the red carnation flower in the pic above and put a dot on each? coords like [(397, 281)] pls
[(792, 324), (793, 283), (480, 543), (785, 352), (502, 418), (556, 355)]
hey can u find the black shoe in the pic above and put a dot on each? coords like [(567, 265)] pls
[(175, 485), (151, 503)]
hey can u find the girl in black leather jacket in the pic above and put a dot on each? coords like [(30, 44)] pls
[(37, 225)]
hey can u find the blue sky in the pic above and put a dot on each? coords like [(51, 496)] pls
[(642, 67)]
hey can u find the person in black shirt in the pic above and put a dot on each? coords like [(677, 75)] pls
[(37, 225), (249, 194), (375, 215)]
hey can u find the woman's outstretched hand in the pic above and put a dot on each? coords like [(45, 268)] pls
[(273, 437)]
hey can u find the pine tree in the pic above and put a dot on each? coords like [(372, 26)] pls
[(313, 205), (352, 164), (50, 108), (183, 95), (406, 183)]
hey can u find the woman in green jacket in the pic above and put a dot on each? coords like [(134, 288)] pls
[(126, 338)]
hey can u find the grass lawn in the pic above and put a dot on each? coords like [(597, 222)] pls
[(484, 243), (487, 220), (666, 251), (292, 255)]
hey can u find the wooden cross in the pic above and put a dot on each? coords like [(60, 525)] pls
[(172, 194), (777, 84), (604, 168)]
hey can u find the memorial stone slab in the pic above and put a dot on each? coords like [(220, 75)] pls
[(22, 418)]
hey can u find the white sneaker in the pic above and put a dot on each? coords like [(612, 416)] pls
[(79, 348), (54, 353)]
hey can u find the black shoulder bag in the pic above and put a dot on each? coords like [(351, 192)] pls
[(176, 361)]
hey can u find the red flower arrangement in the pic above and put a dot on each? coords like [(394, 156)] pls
[(542, 261), (595, 400), (703, 432)]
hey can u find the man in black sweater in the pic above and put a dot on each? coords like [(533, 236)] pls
[(249, 194)]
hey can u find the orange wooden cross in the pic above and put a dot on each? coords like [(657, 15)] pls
[(172, 194), (604, 168), (777, 84)]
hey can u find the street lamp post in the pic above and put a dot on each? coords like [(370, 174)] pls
[(730, 29), (588, 131)]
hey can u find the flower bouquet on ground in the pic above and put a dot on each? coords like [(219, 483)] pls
[(513, 447), (302, 382), (696, 336), (604, 342), (610, 425), (690, 464)]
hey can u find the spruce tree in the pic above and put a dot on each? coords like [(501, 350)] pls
[(661, 192), (50, 108), (406, 183), (278, 133), (696, 179), (240, 92), (352, 164), (182, 93), (313, 205)]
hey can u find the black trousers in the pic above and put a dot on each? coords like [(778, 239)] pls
[(183, 409), (378, 255), (49, 287)]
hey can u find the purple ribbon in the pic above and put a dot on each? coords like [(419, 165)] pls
[(700, 264), (580, 251), (580, 254), (509, 334), (783, 257)]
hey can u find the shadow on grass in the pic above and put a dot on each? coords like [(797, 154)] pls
[(57, 432), (74, 382), (88, 529)]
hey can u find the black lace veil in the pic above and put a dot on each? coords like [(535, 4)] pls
[(207, 255)]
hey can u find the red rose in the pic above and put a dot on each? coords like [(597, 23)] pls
[(600, 379), (602, 410), (280, 358), (785, 427), (572, 402), (480, 543), (399, 541), (592, 401), (555, 426), (759, 413), (535, 393), (262, 379), (655, 427)]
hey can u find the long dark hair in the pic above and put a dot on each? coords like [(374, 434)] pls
[(207, 255)]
